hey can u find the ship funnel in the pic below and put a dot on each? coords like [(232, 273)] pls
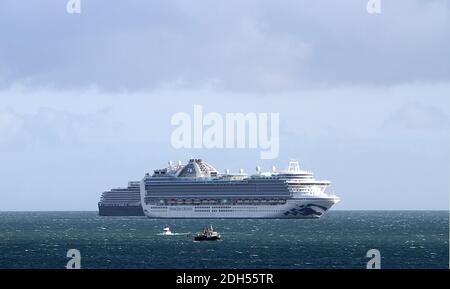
[(170, 163), (274, 169), (179, 163), (258, 169), (227, 171), (241, 171)]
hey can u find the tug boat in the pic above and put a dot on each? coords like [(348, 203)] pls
[(208, 234)]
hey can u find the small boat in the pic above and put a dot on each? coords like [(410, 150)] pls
[(208, 234), (166, 231)]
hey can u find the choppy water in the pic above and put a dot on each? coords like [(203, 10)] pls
[(406, 239)]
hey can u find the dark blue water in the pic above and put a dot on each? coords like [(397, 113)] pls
[(406, 239)]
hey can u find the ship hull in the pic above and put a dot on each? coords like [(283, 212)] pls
[(204, 238), (120, 210), (307, 208)]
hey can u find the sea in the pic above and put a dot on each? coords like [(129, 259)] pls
[(340, 239)]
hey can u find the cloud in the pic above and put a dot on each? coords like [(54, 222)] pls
[(10, 125), (417, 116), (244, 46), (52, 127)]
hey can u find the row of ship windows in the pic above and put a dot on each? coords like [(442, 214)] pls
[(222, 211), (125, 197), (214, 207), (114, 204), (208, 209), (201, 189), (232, 183), (231, 211), (215, 202)]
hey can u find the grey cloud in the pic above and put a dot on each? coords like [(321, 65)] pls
[(246, 46)]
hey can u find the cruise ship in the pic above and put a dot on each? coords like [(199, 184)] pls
[(198, 190), (121, 201)]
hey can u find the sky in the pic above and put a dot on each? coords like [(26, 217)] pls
[(86, 100)]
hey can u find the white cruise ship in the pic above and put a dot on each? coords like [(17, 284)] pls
[(121, 201), (198, 190)]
